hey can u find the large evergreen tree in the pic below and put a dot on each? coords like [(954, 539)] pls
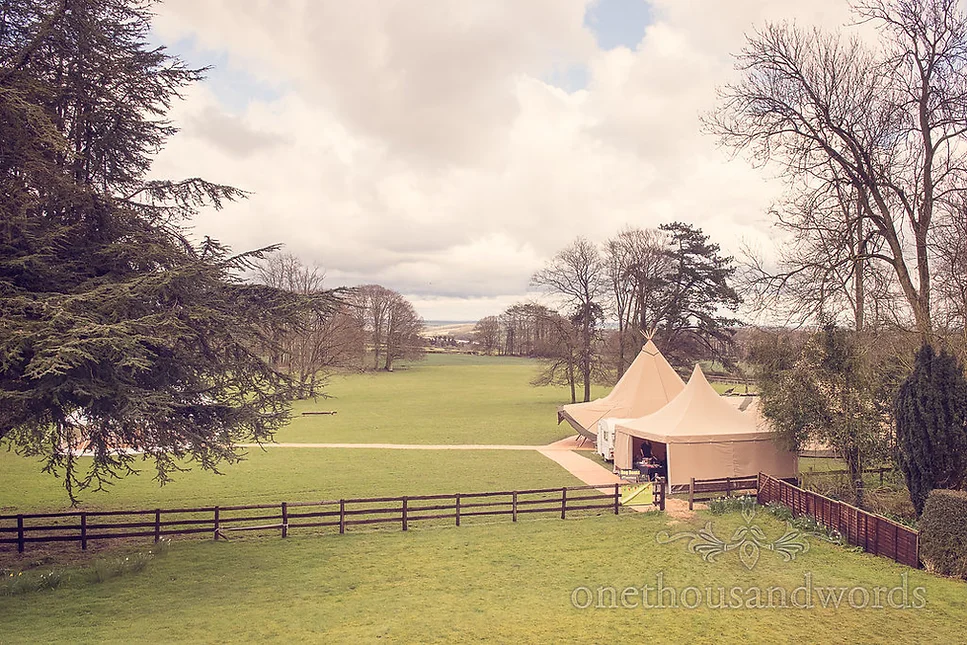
[(931, 425), (117, 330), (693, 294)]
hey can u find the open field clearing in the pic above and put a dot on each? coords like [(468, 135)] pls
[(293, 474), (447, 399), (498, 582), (451, 399)]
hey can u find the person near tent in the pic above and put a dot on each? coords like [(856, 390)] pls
[(647, 461)]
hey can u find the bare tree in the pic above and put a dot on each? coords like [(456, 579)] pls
[(559, 350), (486, 334), (403, 328), (577, 274), (391, 323), (952, 280), (372, 302), (319, 340), (637, 267), (888, 122)]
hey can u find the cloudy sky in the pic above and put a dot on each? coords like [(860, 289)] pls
[(448, 148)]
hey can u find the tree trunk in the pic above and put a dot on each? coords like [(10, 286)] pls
[(586, 358), (855, 467), (859, 284), (571, 379)]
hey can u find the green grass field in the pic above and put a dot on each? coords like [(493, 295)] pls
[(296, 474), (484, 581), (499, 582), (446, 399)]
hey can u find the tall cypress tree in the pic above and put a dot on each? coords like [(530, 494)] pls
[(931, 425), (118, 330)]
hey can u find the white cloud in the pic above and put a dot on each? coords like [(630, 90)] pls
[(414, 143)]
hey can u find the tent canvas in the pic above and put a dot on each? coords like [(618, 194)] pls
[(706, 437), (647, 385)]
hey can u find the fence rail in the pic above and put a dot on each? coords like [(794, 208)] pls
[(875, 533), (700, 490), (221, 521), (818, 475)]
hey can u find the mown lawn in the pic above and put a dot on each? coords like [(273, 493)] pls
[(498, 582), (295, 474), (446, 399)]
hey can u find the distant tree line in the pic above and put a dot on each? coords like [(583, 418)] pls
[(670, 282), (371, 329)]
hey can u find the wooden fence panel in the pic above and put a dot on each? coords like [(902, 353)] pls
[(875, 534)]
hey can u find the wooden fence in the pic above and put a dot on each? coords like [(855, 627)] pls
[(336, 515), (813, 475), (700, 490), (876, 534)]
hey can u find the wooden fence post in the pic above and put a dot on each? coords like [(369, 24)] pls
[(83, 531), (617, 498), (728, 486), (563, 502), (896, 543), (691, 494), (20, 534), (514, 508), (456, 507), (216, 527), (285, 520), (404, 514), (342, 516), (157, 525), (662, 486)]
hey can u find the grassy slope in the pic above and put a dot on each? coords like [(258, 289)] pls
[(499, 582)]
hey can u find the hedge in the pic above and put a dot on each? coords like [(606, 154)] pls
[(943, 532)]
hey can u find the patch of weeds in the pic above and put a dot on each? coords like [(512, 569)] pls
[(108, 568), (51, 579), (16, 583), (732, 504), (806, 524)]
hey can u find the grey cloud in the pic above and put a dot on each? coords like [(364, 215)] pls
[(230, 133), (417, 147)]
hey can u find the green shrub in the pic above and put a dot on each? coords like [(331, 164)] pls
[(943, 532)]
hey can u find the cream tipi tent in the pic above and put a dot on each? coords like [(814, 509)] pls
[(647, 385), (705, 437)]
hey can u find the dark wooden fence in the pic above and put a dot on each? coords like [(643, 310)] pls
[(702, 490), (876, 534), (335, 515)]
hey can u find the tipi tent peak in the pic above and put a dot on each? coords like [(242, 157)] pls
[(647, 385)]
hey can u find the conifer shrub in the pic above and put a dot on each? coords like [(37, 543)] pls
[(931, 425), (943, 533)]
